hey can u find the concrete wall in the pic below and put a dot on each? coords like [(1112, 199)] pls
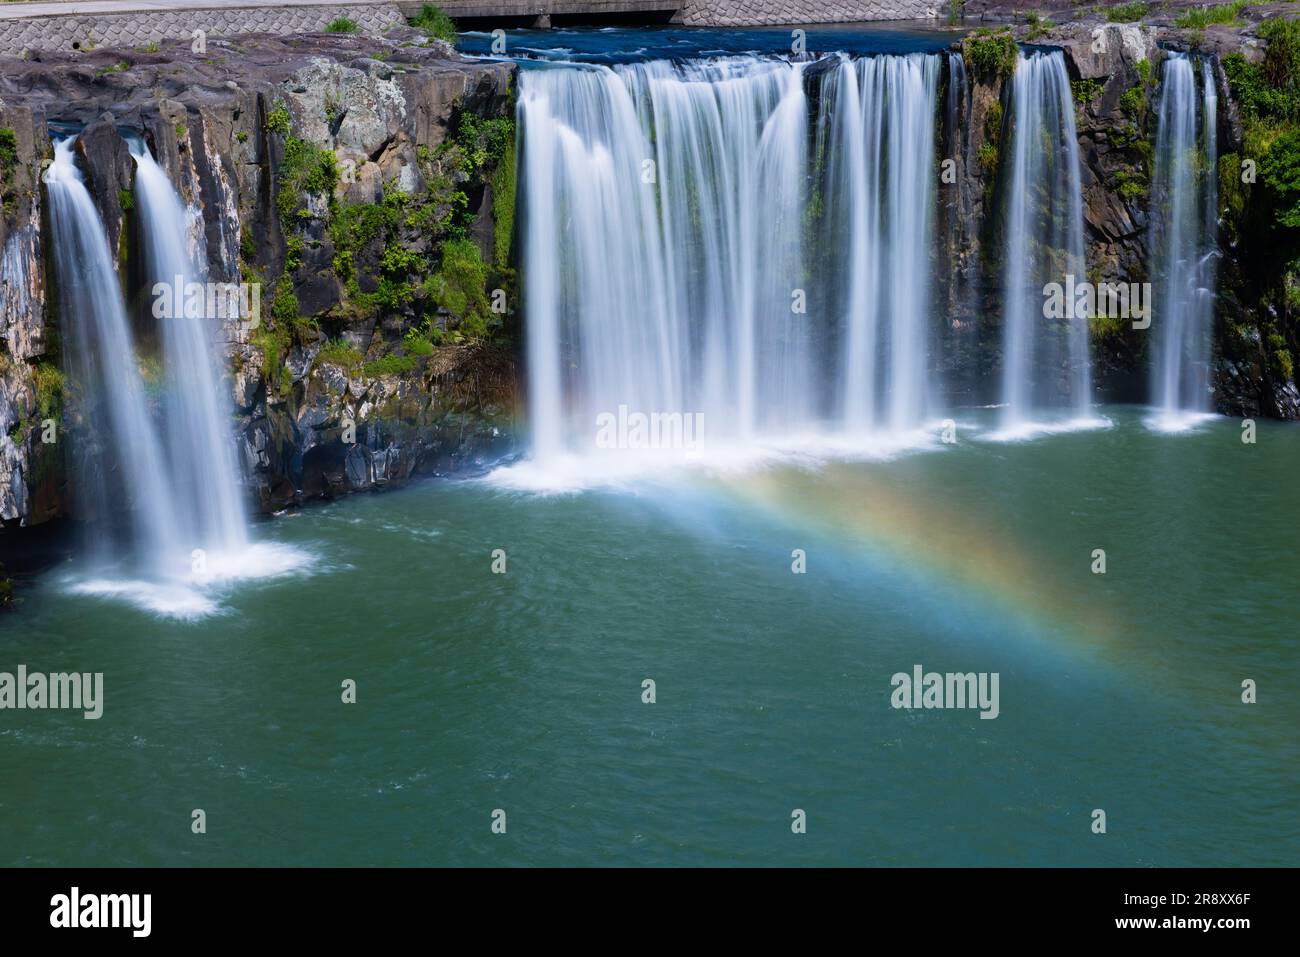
[(699, 13), (134, 30), (704, 12)]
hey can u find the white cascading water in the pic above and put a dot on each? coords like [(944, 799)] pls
[(176, 487), (675, 261), (881, 172), (1045, 363), (204, 476), (1184, 246), (120, 477)]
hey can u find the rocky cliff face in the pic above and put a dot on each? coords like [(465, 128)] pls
[(360, 189), (1114, 69), (365, 189)]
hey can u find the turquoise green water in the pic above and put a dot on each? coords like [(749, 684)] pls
[(523, 691)]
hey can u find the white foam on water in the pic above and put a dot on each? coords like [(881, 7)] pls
[(1177, 421), (198, 594), (1026, 431), (624, 468)]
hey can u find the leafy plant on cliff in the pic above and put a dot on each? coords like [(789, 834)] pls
[(8, 164), (273, 345), (435, 23), (342, 25), (1085, 91), (277, 121), (1263, 209), (1038, 25), (293, 248), (1128, 12), (48, 379), (1280, 170), (503, 203), (1132, 101), (416, 343), (339, 352), (391, 364), (1201, 17), (286, 314), (990, 54), (1268, 95), (306, 169), (1282, 57), (459, 286)]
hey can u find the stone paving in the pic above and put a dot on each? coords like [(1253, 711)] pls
[(725, 13), (136, 29), (91, 26)]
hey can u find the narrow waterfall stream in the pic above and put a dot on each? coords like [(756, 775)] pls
[(121, 478), (1045, 365), (166, 479), (1184, 245), (200, 446), (881, 112)]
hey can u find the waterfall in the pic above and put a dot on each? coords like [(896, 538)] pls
[(1045, 363), (682, 227), (1183, 236), (120, 473), (204, 477), (882, 113)]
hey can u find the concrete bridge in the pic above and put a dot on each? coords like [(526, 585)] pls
[(544, 13), (687, 12)]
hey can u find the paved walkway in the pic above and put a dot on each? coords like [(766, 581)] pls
[(136, 24), (95, 8)]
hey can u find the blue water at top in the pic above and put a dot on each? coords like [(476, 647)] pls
[(610, 45)]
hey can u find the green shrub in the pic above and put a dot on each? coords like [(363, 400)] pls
[(988, 156), (1128, 12), (458, 286), (1279, 168), (341, 25), (293, 253), (435, 23), (341, 353), (277, 121), (306, 168), (274, 345), (503, 205), (1085, 91), (990, 54), (48, 379), (1132, 101), (1037, 25), (284, 305), (416, 344), (1281, 65), (8, 150), (389, 365), (1201, 17)]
